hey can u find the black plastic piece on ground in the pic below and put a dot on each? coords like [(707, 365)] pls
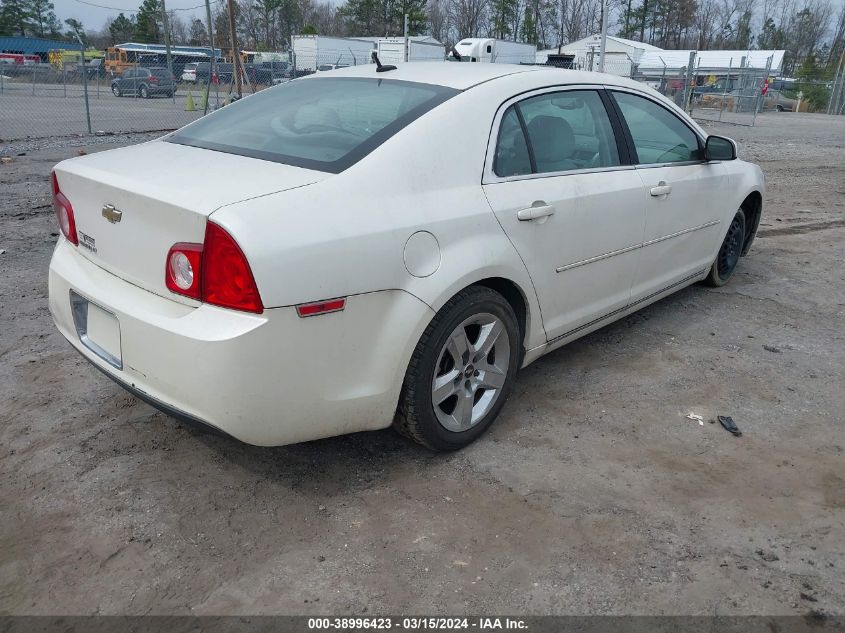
[(729, 424)]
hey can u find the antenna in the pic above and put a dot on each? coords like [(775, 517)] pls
[(381, 68)]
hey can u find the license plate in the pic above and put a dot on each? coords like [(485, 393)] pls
[(98, 329)]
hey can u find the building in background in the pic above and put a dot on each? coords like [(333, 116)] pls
[(621, 54), (33, 46)]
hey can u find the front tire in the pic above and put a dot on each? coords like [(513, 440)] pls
[(144, 92), (461, 372), (115, 91), (725, 264)]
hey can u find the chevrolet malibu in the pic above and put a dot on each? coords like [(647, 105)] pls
[(371, 247)]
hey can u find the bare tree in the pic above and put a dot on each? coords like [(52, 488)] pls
[(468, 16)]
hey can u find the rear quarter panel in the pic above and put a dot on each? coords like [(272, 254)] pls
[(347, 234)]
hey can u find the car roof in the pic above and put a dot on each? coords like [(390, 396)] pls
[(464, 75)]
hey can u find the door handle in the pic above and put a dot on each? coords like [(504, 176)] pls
[(662, 189), (537, 211)]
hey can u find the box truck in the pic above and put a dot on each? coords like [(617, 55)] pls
[(312, 51), (392, 50), (479, 49)]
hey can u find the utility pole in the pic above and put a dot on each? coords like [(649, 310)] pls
[(166, 24), (603, 45), (407, 46), (84, 79), (838, 83), (236, 58), (212, 54)]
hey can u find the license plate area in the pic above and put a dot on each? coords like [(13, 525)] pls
[(98, 329)]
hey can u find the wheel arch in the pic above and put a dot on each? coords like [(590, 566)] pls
[(514, 296), (752, 206), (522, 300)]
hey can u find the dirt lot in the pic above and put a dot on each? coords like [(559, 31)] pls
[(592, 494)]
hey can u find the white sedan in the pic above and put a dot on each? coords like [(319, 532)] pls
[(362, 248)]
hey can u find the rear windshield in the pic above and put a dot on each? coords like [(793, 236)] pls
[(160, 72), (326, 124)]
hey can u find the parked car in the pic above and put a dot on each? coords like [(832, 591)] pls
[(775, 100), (95, 68), (331, 272), (222, 71), (144, 82), (747, 101), (189, 72), (324, 67)]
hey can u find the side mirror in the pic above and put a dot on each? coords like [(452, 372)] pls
[(719, 148)]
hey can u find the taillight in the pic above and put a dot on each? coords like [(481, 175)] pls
[(226, 277), (184, 264), (153, 79), (64, 212), (215, 272)]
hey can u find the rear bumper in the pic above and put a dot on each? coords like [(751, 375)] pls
[(268, 379)]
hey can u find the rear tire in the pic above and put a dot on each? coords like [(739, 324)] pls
[(729, 252), (461, 372)]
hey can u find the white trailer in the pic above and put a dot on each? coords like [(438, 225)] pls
[(312, 51), (393, 49), (480, 49)]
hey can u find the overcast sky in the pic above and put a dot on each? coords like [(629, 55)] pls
[(94, 17)]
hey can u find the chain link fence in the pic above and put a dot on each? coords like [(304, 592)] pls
[(734, 94), (46, 100)]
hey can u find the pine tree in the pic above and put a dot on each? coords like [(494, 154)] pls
[(42, 15), (14, 18), (148, 27), (503, 13), (122, 29), (417, 18), (363, 16)]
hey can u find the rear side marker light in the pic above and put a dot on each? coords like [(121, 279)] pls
[(320, 307), (64, 212)]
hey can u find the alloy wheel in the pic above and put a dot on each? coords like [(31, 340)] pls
[(471, 371)]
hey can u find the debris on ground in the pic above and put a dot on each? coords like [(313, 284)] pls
[(767, 555), (729, 424), (6, 160), (695, 416), (772, 349), (808, 597)]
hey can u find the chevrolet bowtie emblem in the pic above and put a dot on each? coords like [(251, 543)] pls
[(111, 214)]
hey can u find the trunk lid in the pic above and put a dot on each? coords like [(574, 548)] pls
[(162, 194)]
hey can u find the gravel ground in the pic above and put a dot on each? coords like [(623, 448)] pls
[(592, 494)]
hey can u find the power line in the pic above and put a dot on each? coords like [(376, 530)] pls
[(101, 6)]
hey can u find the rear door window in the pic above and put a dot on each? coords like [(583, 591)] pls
[(567, 130)]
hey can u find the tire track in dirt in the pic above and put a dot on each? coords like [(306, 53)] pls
[(802, 228)]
